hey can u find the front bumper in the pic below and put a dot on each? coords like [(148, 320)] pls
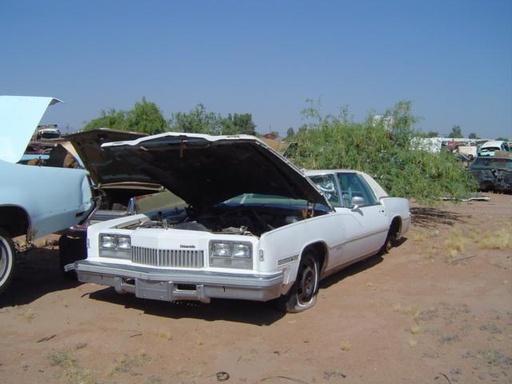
[(165, 285)]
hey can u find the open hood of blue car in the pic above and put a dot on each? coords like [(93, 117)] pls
[(19, 118)]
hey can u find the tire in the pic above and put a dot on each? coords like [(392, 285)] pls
[(391, 238), (7, 260), (304, 292), (389, 243)]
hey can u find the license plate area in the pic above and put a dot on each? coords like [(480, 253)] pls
[(154, 290)]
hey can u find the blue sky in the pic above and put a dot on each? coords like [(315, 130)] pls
[(451, 58)]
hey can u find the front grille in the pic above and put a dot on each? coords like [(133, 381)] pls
[(181, 258)]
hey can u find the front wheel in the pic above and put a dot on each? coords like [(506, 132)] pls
[(303, 294), (7, 262)]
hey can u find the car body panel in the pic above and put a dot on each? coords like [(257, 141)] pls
[(240, 194), (19, 116), (493, 173), (394, 207), (87, 145), (188, 165), (51, 199)]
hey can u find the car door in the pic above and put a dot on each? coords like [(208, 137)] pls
[(364, 217)]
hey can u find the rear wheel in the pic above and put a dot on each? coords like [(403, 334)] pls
[(303, 294), (391, 238), (7, 260)]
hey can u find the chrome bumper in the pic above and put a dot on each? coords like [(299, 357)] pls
[(165, 285)]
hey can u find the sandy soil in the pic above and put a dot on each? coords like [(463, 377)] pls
[(436, 309)]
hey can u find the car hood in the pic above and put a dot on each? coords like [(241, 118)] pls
[(101, 166), (205, 170), (19, 118)]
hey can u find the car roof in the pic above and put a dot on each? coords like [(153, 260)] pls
[(492, 143)]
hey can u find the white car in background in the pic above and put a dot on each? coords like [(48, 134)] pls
[(34, 200), (254, 226), (489, 148)]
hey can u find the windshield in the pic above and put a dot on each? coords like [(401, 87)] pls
[(261, 200), (491, 163)]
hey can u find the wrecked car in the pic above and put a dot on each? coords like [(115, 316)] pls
[(493, 173), (254, 226), (34, 201)]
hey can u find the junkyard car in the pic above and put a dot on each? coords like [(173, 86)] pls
[(255, 227), (492, 147), (34, 201), (493, 173)]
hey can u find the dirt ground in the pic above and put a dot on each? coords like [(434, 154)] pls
[(436, 309)]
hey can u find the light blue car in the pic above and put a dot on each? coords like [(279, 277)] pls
[(34, 200)]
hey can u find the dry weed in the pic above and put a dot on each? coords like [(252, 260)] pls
[(27, 314)]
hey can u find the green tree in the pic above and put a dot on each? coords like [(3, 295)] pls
[(382, 148), (146, 117), (198, 120), (473, 136), (238, 124), (432, 134), (290, 133), (456, 132), (108, 119)]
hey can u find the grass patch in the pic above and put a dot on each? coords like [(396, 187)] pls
[(127, 363), (69, 370), (27, 314), (500, 239), (164, 334), (346, 346), (416, 329), (455, 243)]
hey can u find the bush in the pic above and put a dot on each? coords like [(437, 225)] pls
[(382, 147)]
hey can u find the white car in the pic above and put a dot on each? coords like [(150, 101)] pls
[(489, 148), (255, 227), (34, 200)]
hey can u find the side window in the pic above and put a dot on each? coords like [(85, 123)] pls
[(327, 184), (352, 185)]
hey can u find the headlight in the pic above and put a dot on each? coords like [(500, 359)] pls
[(114, 245), (230, 254)]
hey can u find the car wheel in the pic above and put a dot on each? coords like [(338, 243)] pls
[(486, 186), (390, 238), (303, 294), (7, 260)]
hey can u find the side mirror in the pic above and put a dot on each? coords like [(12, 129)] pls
[(357, 201)]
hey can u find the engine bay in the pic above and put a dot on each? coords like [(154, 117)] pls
[(240, 220)]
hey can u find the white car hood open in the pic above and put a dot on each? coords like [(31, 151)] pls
[(19, 118), (205, 170)]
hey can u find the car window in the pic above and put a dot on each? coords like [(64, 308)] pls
[(353, 185), (327, 184), (491, 163)]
